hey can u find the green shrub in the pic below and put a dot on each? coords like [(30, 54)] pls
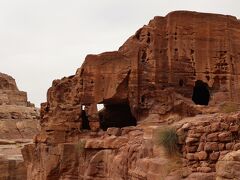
[(167, 137), (229, 107)]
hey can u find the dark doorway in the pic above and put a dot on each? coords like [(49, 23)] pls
[(201, 93), (85, 122), (116, 115)]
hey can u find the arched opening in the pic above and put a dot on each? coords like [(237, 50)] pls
[(85, 121), (201, 93), (116, 115)]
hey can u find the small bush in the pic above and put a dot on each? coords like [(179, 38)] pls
[(167, 137), (229, 107)]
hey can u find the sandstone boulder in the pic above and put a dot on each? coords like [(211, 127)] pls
[(228, 166)]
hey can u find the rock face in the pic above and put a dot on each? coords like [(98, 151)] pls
[(228, 166), (168, 55), (18, 124), (155, 73), (9, 93)]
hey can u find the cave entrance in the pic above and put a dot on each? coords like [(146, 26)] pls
[(116, 115), (85, 121), (201, 94)]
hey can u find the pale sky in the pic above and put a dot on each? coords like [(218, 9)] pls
[(43, 40)]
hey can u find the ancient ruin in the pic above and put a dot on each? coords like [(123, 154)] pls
[(177, 71), (18, 124)]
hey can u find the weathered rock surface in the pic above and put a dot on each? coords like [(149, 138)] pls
[(133, 153), (12, 169), (228, 166), (128, 156), (18, 117), (151, 77), (163, 58), (18, 124), (9, 93)]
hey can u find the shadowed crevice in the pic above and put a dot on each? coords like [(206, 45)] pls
[(201, 93)]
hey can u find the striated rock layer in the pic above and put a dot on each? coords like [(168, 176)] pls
[(9, 93), (156, 72), (18, 124)]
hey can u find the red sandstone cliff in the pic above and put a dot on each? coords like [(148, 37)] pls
[(18, 124), (152, 76)]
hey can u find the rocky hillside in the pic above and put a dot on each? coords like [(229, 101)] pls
[(18, 124), (175, 78)]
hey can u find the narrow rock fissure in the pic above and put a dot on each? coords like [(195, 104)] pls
[(85, 121)]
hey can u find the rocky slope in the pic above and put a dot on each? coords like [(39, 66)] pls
[(18, 124), (153, 80)]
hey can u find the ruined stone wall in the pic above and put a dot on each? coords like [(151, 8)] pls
[(207, 139)]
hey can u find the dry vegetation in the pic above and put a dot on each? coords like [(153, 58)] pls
[(167, 138)]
